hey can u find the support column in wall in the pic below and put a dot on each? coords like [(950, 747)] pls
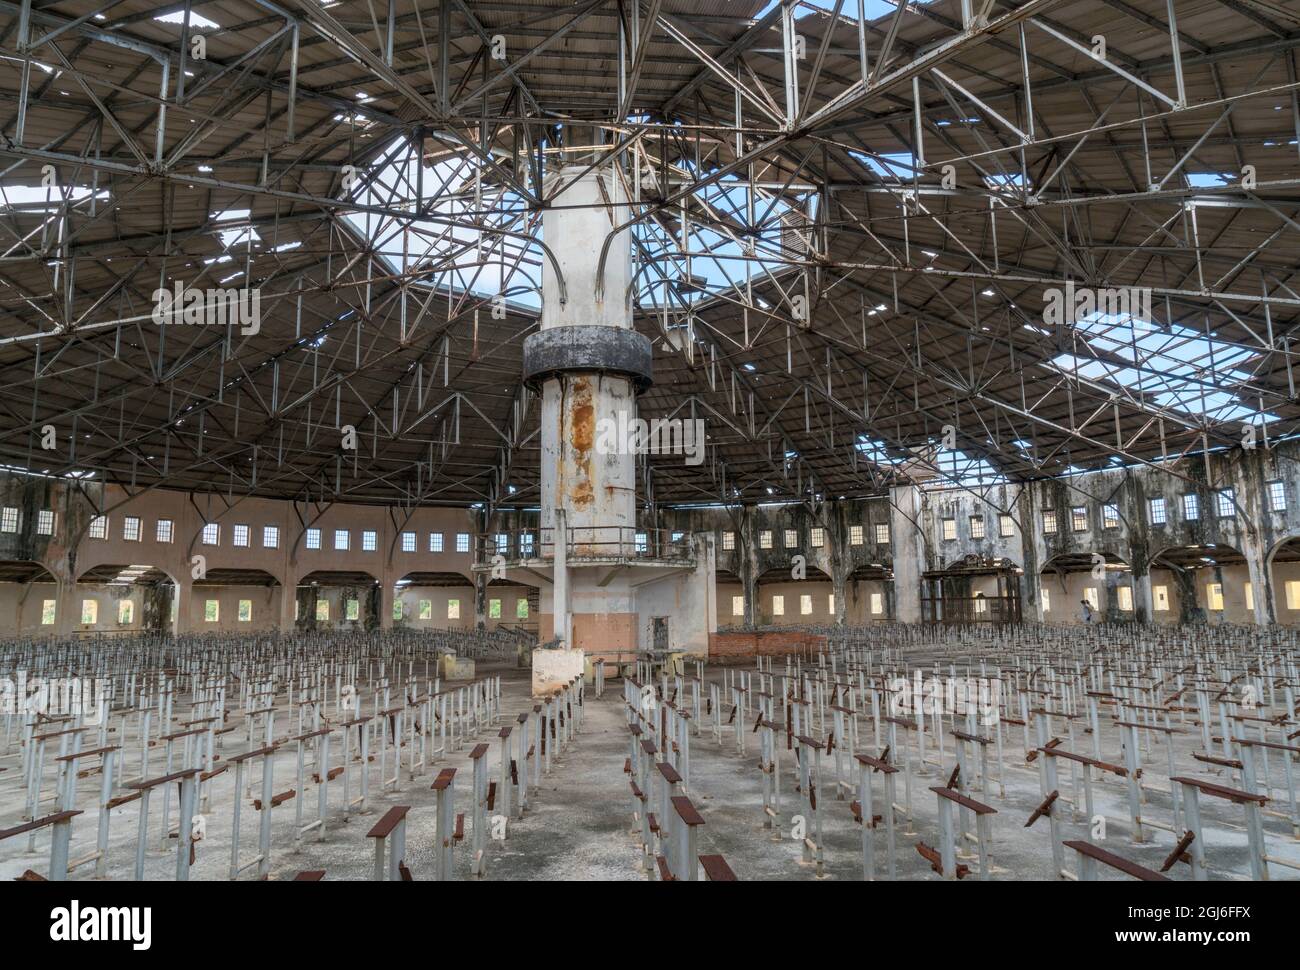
[(184, 593), (480, 601), (1144, 606), (749, 569), (387, 596), (908, 547), (1261, 585), (1031, 580), (288, 605), (66, 606), (838, 584)]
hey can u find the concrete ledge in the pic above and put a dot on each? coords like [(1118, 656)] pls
[(611, 350)]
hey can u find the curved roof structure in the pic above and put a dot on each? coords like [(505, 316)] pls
[(958, 240)]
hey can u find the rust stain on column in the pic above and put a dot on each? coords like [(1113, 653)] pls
[(582, 432)]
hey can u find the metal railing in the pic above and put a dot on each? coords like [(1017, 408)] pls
[(620, 543)]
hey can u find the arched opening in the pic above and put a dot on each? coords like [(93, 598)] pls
[(435, 600), (235, 599), (869, 590), (1087, 587), (787, 597), (337, 600), (131, 598), (1284, 581), (29, 596), (1199, 584), (974, 589)]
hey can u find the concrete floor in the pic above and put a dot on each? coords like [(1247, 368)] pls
[(580, 826)]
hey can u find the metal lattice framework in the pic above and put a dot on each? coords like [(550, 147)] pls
[(848, 219)]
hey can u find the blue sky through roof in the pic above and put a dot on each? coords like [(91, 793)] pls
[(1172, 364)]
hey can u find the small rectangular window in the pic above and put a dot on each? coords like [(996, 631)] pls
[(47, 612), (245, 611), (99, 529), (1277, 496), (877, 604), (1049, 523), (792, 538), (342, 539), (642, 542), (977, 527), (765, 539), (503, 542), (1006, 526), (830, 603), (805, 604), (270, 537), (1125, 598), (435, 542), (1110, 516), (131, 529), (521, 609), (949, 529), (1191, 506), (90, 611), (426, 609), (728, 540), (882, 533), (494, 609), (737, 606), (9, 519), (817, 537), (163, 532), (525, 545), (352, 610), (1079, 518), (1160, 598), (125, 612), (1157, 506), (1214, 596), (211, 534), (408, 542), (855, 535), (1047, 599), (462, 542), (1293, 594), (313, 538), (1250, 596), (211, 611), (1227, 499), (45, 522), (370, 540), (239, 535), (778, 606), (453, 609), (322, 611)]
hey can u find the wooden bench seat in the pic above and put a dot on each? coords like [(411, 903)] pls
[(1221, 791), (979, 808), (1116, 862), (716, 869), (384, 827), (37, 824)]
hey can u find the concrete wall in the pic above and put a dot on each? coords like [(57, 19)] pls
[(847, 549)]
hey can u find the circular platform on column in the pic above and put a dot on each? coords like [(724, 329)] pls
[(609, 350)]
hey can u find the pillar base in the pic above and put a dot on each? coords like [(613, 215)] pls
[(553, 669)]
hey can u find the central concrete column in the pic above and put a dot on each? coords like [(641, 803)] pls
[(589, 364), (909, 551)]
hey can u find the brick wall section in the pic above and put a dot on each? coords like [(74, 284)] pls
[(735, 647)]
